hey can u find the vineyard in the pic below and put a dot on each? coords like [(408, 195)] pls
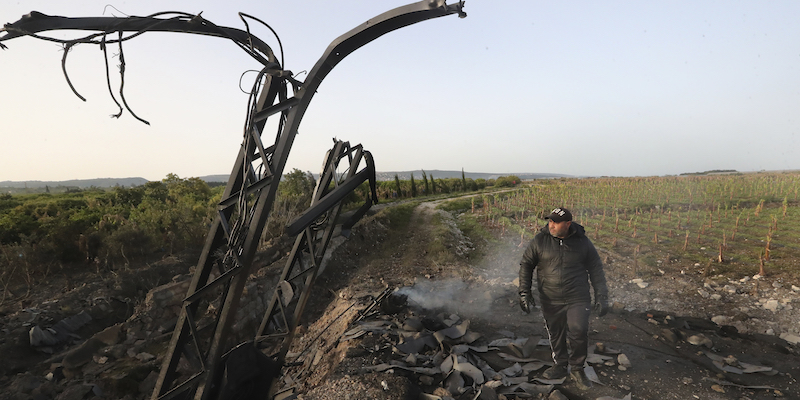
[(735, 225)]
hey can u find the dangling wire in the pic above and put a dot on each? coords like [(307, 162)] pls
[(122, 81), (67, 48), (108, 78)]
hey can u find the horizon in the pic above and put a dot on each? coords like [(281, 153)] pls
[(542, 175)]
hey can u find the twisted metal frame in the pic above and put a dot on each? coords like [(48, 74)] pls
[(193, 364)]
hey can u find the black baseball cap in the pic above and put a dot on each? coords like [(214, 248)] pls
[(559, 214)]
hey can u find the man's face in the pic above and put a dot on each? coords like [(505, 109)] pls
[(559, 229)]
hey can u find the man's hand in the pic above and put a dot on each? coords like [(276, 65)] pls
[(601, 306), (526, 301)]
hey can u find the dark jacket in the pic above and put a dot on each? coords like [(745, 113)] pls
[(563, 267)]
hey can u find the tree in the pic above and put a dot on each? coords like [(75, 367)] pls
[(425, 179), (413, 186), (463, 180), (298, 187), (397, 185)]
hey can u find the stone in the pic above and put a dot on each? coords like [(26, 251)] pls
[(116, 351), (639, 282), (556, 395), (82, 354), (717, 388), (700, 340), (109, 336), (623, 360), (720, 319), (716, 296), (169, 294), (772, 305), (791, 338), (144, 357), (669, 335), (777, 285)]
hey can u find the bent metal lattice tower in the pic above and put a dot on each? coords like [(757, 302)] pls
[(201, 350)]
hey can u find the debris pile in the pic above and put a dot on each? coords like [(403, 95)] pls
[(449, 360)]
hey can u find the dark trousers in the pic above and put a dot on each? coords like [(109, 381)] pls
[(568, 321)]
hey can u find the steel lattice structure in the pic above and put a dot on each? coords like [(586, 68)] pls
[(194, 363)]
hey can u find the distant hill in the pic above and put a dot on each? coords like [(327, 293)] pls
[(382, 176), (76, 183)]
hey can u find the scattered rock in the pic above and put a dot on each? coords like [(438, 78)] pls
[(791, 338), (720, 319), (81, 354), (557, 395), (110, 335), (700, 340), (639, 282), (669, 335), (623, 361), (772, 305)]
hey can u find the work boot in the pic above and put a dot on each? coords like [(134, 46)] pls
[(581, 382), (555, 372)]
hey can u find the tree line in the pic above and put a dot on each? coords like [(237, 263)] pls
[(428, 185), (122, 226)]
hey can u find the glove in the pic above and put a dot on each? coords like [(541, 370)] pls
[(526, 301), (601, 306)]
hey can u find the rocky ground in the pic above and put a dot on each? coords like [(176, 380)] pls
[(394, 320)]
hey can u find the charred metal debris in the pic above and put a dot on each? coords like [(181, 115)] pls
[(200, 357)]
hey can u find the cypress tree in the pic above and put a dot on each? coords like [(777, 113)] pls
[(413, 186), (397, 185), (425, 179)]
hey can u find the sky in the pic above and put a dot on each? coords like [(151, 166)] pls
[(585, 88)]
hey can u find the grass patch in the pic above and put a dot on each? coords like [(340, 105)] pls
[(398, 216), (461, 204), (439, 248)]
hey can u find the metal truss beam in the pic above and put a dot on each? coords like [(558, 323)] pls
[(192, 365)]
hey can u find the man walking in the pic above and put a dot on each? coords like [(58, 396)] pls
[(565, 261)]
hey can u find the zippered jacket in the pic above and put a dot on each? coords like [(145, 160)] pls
[(563, 267)]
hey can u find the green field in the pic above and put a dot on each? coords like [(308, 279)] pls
[(732, 225)]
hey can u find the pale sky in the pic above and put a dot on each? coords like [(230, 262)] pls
[(622, 88)]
